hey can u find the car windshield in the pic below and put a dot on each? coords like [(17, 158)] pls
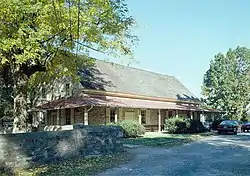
[(228, 122)]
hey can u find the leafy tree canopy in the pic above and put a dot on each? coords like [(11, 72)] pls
[(44, 36), (226, 83)]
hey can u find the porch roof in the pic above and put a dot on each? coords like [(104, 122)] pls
[(109, 101)]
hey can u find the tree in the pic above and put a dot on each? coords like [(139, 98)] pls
[(226, 84), (47, 35), (6, 95)]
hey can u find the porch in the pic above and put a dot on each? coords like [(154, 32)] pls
[(152, 119), (97, 109)]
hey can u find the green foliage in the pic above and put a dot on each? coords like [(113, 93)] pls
[(196, 127), (176, 125), (111, 124), (6, 93), (226, 84), (179, 125), (34, 32), (132, 128), (43, 40)]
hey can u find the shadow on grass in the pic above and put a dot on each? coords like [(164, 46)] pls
[(157, 141), (165, 139), (89, 166)]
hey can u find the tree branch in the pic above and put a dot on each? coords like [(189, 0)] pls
[(52, 37), (99, 18), (94, 49)]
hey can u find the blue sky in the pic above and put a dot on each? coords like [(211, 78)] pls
[(179, 38)]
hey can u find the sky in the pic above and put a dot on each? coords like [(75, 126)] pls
[(179, 38)]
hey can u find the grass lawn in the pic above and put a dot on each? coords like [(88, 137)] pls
[(77, 167), (155, 139)]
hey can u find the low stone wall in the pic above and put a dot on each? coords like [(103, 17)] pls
[(26, 149)]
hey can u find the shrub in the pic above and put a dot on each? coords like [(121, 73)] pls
[(176, 125), (111, 124), (132, 128), (179, 125), (215, 123), (196, 127), (5, 169)]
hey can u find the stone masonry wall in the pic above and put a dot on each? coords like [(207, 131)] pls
[(26, 149), (97, 116)]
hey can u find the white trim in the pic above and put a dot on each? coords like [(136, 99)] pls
[(159, 120), (139, 112), (86, 116)]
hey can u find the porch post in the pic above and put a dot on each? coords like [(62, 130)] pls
[(176, 113), (191, 115), (72, 115), (86, 116), (139, 112), (202, 118), (58, 116), (212, 117), (116, 116), (159, 120)]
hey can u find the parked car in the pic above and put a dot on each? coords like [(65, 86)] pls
[(245, 126), (228, 126)]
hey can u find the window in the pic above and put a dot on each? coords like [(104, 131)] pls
[(54, 120), (43, 92), (67, 89), (143, 116), (53, 116), (170, 114), (52, 93), (68, 120), (112, 115)]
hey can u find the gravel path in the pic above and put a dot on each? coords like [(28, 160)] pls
[(217, 155)]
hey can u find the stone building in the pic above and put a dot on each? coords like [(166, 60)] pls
[(109, 92)]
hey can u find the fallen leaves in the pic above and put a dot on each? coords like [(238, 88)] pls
[(77, 167)]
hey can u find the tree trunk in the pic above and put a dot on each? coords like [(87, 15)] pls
[(20, 103)]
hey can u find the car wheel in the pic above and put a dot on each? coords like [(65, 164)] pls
[(219, 132)]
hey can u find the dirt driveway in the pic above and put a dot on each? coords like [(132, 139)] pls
[(217, 155)]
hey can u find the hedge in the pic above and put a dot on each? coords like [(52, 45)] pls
[(178, 125)]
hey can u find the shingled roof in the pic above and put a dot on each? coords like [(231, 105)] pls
[(113, 77)]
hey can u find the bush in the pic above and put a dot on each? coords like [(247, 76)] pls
[(176, 125), (215, 123), (196, 127), (132, 128), (111, 124)]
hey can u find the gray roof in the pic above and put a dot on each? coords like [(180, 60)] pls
[(118, 78)]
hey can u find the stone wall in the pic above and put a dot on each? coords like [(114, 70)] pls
[(26, 149), (97, 116)]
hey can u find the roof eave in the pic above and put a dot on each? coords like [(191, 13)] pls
[(135, 96)]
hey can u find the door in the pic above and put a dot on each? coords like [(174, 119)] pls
[(129, 115), (68, 116)]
